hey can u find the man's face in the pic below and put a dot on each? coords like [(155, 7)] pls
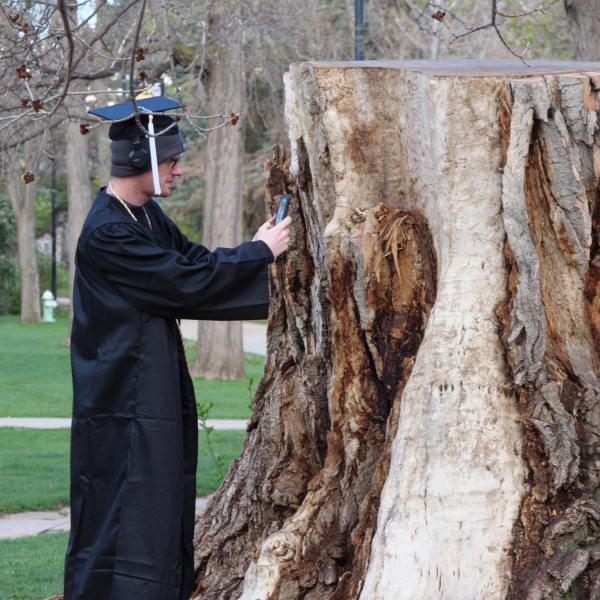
[(167, 171)]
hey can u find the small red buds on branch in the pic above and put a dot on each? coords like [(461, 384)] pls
[(234, 118), (24, 101), (18, 20), (142, 75), (28, 177), (36, 105), (84, 128), (139, 54), (23, 73), (438, 15)]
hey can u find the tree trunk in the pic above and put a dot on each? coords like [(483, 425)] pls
[(427, 424), (219, 350), (101, 171), (22, 199), (78, 191), (583, 17)]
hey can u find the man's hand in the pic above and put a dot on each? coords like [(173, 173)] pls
[(277, 237)]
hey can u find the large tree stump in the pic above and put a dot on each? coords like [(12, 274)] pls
[(428, 423)]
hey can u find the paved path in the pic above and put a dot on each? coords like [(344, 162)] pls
[(56, 423), (254, 335), (33, 523)]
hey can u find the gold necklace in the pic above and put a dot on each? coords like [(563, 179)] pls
[(111, 190)]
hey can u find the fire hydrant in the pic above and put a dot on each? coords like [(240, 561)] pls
[(48, 306)]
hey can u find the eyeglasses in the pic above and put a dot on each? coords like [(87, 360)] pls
[(173, 162)]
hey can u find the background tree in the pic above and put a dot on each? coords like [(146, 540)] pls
[(584, 22), (219, 347), (8, 238), (22, 199), (77, 166)]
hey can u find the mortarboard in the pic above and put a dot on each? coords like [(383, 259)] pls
[(132, 152), (124, 110)]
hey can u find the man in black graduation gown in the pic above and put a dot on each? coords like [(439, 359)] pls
[(134, 430)]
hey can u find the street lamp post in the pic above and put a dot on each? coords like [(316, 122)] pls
[(358, 29), (53, 205)]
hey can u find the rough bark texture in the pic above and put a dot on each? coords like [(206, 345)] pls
[(99, 137), (428, 422), (583, 17), (317, 447), (78, 191), (22, 199), (219, 350), (550, 328)]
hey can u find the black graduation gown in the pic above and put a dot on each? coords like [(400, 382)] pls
[(135, 431)]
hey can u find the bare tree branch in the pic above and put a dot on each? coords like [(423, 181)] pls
[(71, 49)]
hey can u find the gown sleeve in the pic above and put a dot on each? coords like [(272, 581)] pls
[(227, 284), (190, 250)]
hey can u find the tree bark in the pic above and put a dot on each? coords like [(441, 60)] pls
[(583, 17), (219, 349), (427, 423), (101, 171), (78, 190), (22, 199)]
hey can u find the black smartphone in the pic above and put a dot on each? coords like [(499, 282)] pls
[(282, 210)]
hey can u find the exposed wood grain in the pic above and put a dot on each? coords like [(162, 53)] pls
[(428, 423)]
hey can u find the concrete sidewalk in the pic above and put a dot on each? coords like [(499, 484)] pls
[(254, 335), (56, 423), (33, 523)]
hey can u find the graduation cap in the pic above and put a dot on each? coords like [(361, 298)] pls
[(124, 110), (132, 151)]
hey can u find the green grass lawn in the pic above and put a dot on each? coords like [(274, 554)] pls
[(34, 466), (32, 567), (35, 375), (226, 446), (35, 372)]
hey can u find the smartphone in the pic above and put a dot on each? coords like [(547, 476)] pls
[(282, 210)]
